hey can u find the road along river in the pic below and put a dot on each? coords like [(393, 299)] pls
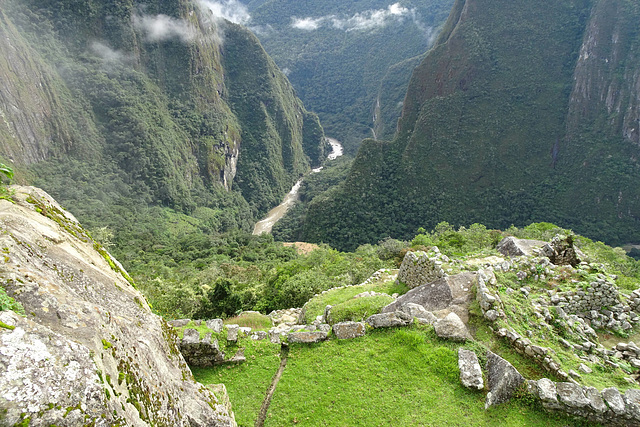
[(266, 224)]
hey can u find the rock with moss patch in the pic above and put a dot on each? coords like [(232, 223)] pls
[(389, 320), (91, 351), (349, 330)]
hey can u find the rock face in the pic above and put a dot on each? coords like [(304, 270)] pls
[(418, 269), (89, 344), (512, 246), (503, 380)]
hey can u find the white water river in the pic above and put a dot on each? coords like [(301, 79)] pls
[(266, 224)]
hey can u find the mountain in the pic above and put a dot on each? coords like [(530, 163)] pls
[(521, 112), (337, 54), (112, 104)]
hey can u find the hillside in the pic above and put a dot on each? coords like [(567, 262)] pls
[(522, 111), (337, 54), (115, 106)]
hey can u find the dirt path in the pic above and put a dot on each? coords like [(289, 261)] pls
[(284, 352)]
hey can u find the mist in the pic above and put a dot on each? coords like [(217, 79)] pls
[(231, 10), (162, 27)]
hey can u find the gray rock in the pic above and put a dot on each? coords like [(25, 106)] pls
[(179, 323), (614, 399), (547, 392), (274, 336), (389, 320), (85, 318), (416, 310), (511, 246), (215, 325), (259, 335), (503, 380), (238, 357), (348, 330), (452, 328), (632, 399), (584, 368), (595, 400), (190, 336), (306, 337), (232, 333), (491, 315), (324, 327), (432, 296), (571, 395), (470, 371)]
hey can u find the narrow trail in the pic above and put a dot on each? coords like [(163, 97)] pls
[(284, 352)]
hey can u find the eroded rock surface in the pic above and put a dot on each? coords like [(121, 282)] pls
[(89, 348)]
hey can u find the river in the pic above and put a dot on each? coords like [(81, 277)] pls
[(266, 224)]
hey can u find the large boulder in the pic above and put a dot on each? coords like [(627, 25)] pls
[(512, 246), (470, 371), (90, 351), (418, 269), (389, 320), (503, 380), (348, 330), (452, 328)]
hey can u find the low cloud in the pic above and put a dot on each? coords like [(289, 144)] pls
[(231, 10), (162, 27), (308, 24), (368, 20), (109, 55)]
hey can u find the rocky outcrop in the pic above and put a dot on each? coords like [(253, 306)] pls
[(512, 246), (89, 348)]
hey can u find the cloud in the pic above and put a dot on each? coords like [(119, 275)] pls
[(368, 20), (107, 54), (162, 27), (231, 10), (308, 24)]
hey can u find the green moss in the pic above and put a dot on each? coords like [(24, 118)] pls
[(5, 326), (106, 344)]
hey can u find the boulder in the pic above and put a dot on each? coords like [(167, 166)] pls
[(389, 320), (348, 330), (572, 395), (470, 371), (215, 325), (238, 357), (431, 296), (614, 400), (416, 310), (632, 399), (512, 246), (87, 328), (503, 380), (306, 337), (595, 400), (452, 328), (546, 391), (259, 335)]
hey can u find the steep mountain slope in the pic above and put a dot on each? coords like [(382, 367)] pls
[(337, 53), (151, 102), (522, 111)]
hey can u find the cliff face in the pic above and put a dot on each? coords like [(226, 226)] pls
[(89, 350), (521, 112), (144, 90)]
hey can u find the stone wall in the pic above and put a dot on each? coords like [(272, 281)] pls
[(419, 268)]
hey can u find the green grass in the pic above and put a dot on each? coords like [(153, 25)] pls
[(358, 309), (246, 383), (255, 321), (317, 304), (399, 377)]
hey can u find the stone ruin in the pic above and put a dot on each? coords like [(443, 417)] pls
[(418, 268)]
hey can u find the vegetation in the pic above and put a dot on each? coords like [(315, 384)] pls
[(351, 61), (499, 140)]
